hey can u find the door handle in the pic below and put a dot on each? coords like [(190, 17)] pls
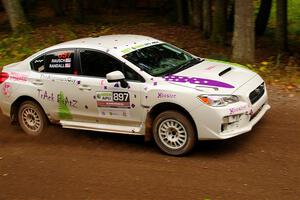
[(85, 87), (37, 82)]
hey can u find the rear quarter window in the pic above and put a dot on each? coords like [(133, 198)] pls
[(61, 61), (38, 64)]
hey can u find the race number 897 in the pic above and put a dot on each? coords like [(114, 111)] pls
[(120, 96)]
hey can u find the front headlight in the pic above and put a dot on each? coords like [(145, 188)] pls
[(218, 100)]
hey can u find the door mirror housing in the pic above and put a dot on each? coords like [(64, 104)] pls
[(117, 76)]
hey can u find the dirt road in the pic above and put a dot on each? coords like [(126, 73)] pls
[(70, 164)]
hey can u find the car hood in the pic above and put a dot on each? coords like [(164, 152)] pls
[(212, 77)]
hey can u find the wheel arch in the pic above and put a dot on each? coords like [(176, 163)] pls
[(159, 108), (16, 104)]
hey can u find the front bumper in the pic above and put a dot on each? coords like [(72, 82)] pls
[(215, 123), (243, 128)]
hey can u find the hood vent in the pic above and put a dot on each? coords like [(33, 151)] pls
[(225, 71)]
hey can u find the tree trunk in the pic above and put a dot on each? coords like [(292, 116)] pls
[(262, 18), (281, 26), (230, 18), (78, 11), (182, 12), (190, 11), (197, 13), (16, 15), (132, 4), (179, 6), (59, 7), (207, 18), (219, 29), (243, 37)]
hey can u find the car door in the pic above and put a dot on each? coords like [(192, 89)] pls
[(110, 103), (55, 79)]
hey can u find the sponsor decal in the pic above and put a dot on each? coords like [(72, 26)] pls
[(66, 65), (58, 98), (69, 79), (14, 76), (63, 55), (102, 83), (114, 112), (6, 89), (240, 109), (63, 109), (210, 68), (113, 99), (41, 68), (133, 48), (197, 81), (161, 95), (39, 61), (67, 60), (113, 104), (63, 60)]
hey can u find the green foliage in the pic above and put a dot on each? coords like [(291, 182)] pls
[(14, 48), (293, 17)]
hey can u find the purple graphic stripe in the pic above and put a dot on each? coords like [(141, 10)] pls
[(197, 81)]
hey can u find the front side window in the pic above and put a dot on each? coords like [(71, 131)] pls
[(60, 62), (161, 59), (97, 64)]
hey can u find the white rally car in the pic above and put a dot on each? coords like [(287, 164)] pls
[(135, 85)]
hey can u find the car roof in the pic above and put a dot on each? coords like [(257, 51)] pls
[(120, 44)]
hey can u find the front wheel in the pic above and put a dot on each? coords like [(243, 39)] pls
[(32, 118), (173, 133)]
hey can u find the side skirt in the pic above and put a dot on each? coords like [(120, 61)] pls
[(130, 130)]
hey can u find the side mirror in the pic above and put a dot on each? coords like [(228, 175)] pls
[(117, 76)]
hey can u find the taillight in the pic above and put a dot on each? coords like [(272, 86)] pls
[(3, 77)]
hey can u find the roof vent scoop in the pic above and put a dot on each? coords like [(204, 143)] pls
[(225, 71)]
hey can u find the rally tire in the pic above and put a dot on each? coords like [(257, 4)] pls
[(174, 133), (32, 118)]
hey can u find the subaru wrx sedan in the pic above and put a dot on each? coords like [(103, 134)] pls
[(134, 85)]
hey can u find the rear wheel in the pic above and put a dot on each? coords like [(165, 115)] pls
[(32, 118), (173, 133)]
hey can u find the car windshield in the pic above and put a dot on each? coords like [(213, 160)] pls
[(161, 59)]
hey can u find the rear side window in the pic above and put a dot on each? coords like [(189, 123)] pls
[(60, 62)]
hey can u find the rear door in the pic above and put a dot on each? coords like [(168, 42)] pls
[(55, 81)]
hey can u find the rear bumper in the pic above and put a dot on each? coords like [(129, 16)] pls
[(5, 108)]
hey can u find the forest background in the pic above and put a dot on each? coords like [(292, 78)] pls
[(264, 35)]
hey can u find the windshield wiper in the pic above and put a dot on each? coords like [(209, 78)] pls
[(186, 65)]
